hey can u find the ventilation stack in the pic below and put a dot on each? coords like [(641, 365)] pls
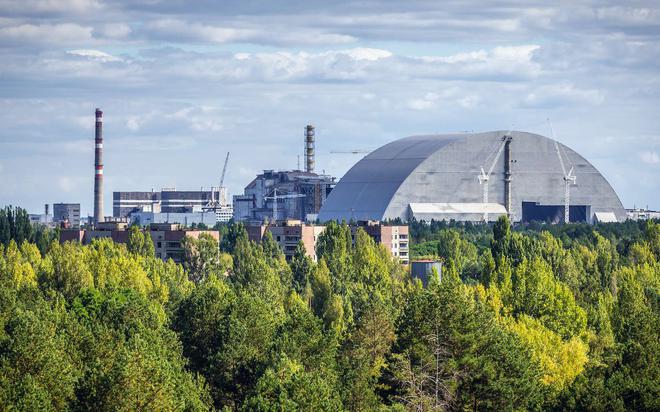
[(98, 169), (309, 148), (507, 175)]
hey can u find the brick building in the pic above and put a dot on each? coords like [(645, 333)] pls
[(166, 237), (288, 233)]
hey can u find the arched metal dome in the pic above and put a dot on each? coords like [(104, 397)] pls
[(437, 177)]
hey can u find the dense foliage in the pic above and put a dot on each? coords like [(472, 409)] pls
[(521, 320)]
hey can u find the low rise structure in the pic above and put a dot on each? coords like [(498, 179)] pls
[(642, 214), (66, 214), (425, 269), (393, 237), (289, 233), (167, 237)]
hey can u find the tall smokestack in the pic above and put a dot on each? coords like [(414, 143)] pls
[(507, 175), (309, 148), (98, 169)]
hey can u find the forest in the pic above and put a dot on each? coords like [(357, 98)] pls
[(536, 317)]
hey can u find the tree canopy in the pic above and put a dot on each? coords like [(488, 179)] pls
[(524, 318)]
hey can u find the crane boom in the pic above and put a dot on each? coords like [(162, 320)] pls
[(485, 177), (569, 178), (353, 151), (275, 197), (224, 170)]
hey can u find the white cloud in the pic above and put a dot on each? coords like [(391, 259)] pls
[(48, 6), (66, 184), (366, 53), (561, 94), (94, 55), (47, 33), (429, 101), (200, 119), (113, 30), (650, 157), (179, 30)]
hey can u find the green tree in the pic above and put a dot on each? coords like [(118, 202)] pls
[(202, 257), (140, 242), (451, 354)]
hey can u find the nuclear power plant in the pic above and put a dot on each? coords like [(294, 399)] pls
[(474, 177)]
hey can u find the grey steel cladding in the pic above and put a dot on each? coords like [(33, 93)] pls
[(445, 169)]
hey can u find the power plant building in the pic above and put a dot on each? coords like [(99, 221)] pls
[(281, 195), (474, 177), (161, 207), (67, 214)]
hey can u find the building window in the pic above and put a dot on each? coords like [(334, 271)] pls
[(159, 245)]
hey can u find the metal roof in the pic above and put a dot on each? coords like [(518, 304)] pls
[(443, 169)]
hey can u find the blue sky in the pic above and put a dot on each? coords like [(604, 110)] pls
[(181, 84)]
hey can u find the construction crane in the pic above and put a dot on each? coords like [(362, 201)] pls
[(484, 177), (222, 195), (569, 178), (353, 151), (275, 197), (214, 204)]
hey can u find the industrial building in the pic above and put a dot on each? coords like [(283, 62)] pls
[(170, 205), (208, 218), (66, 214), (166, 237), (474, 177), (175, 206), (637, 213), (288, 233), (280, 195)]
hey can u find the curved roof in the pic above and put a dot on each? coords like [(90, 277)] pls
[(444, 169)]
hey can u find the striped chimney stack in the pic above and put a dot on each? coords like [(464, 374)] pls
[(98, 169)]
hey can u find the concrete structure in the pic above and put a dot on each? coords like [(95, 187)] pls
[(166, 237), (98, 168), (293, 194), (172, 202), (462, 176), (423, 269), (289, 232), (310, 156), (185, 219), (642, 214), (67, 214), (394, 238)]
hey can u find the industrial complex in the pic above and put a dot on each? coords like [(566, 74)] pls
[(473, 177)]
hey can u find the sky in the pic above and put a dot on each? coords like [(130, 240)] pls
[(181, 83)]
